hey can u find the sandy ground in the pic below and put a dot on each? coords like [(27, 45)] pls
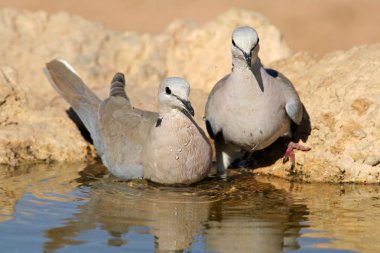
[(314, 25)]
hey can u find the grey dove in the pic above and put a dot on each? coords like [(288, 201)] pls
[(166, 147), (251, 107)]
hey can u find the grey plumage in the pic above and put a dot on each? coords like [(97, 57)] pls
[(252, 106), (130, 141), (118, 86)]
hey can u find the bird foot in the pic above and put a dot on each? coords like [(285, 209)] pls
[(289, 153), (223, 175)]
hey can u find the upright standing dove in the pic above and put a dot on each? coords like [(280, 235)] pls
[(251, 107), (166, 147)]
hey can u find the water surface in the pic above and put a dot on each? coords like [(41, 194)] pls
[(79, 208)]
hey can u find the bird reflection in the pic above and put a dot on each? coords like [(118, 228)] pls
[(266, 220), (240, 215)]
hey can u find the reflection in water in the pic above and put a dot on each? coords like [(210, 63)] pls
[(14, 182), (342, 216), (51, 208), (265, 221), (242, 215)]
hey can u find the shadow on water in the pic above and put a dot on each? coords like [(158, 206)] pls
[(242, 215)]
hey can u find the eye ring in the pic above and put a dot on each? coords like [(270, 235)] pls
[(168, 90)]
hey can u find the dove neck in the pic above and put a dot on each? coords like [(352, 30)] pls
[(166, 109), (241, 66)]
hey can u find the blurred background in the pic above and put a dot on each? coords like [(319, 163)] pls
[(318, 26)]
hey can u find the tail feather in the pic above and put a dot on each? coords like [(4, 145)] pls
[(117, 86), (70, 86)]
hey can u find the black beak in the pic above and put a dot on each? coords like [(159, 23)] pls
[(248, 58), (188, 106)]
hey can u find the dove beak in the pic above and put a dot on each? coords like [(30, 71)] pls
[(188, 106), (248, 58)]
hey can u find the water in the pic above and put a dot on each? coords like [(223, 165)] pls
[(74, 208)]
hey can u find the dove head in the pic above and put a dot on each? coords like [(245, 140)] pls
[(245, 45), (174, 93)]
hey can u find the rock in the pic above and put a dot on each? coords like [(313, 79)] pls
[(30, 136), (97, 53), (34, 123), (341, 94), (372, 160)]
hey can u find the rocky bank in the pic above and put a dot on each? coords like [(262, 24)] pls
[(339, 90), (341, 94)]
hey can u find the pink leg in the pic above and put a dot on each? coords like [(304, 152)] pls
[(289, 153)]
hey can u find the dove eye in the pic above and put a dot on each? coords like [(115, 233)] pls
[(233, 43), (168, 90)]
